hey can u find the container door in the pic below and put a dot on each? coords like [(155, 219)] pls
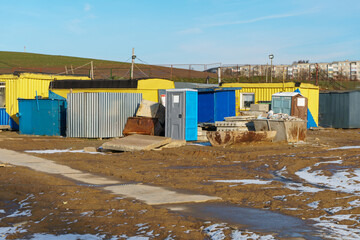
[(299, 107), (175, 115), (281, 104)]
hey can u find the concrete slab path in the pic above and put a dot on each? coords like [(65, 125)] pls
[(151, 195), (136, 143)]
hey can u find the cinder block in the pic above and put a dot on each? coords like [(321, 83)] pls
[(259, 107)]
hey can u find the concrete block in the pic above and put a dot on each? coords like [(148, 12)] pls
[(259, 107), (136, 143), (90, 149), (152, 110)]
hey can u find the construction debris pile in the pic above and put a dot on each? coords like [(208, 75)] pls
[(278, 116)]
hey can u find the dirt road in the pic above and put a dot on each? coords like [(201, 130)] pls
[(316, 181)]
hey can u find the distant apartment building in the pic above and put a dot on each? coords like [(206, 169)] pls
[(343, 70)]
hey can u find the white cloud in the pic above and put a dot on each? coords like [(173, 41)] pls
[(87, 7), (190, 31), (286, 15)]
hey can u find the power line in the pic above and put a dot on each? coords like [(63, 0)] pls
[(74, 68), (141, 71)]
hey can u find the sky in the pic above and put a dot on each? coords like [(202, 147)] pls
[(186, 31)]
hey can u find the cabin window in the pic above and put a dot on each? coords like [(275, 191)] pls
[(246, 99)]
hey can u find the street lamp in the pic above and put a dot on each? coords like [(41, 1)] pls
[(271, 56)]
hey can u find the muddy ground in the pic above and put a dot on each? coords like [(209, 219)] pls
[(282, 178)]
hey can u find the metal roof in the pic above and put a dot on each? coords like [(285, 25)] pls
[(286, 94)]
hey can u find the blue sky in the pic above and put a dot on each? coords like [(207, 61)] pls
[(187, 31)]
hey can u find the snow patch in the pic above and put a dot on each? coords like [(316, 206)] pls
[(341, 180), (335, 230), (238, 235), (314, 204), (355, 203), (300, 187), (243, 181), (60, 151), (329, 162), (41, 236), (344, 147)]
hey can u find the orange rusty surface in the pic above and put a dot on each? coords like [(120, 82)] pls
[(142, 125), (233, 137)]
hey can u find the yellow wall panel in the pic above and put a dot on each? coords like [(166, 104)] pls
[(264, 92), (148, 87), (26, 85)]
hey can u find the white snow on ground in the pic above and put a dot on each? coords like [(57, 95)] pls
[(238, 235), (21, 212), (335, 230), (216, 232), (355, 203), (282, 171), (341, 181), (137, 238), (243, 181), (41, 236), (297, 186), (300, 187), (344, 148), (5, 231), (60, 151), (334, 209), (2, 211), (331, 162), (314, 204)]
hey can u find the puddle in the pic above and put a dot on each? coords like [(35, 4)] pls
[(203, 144), (250, 218)]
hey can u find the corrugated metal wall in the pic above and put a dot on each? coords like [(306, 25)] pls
[(340, 109), (100, 115), (25, 85), (4, 117)]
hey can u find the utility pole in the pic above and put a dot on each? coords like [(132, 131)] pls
[(317, 74), (72, 69), (266, 72), (92, 70), (219, 75), (171, 73), (132, 64), (271, 56)]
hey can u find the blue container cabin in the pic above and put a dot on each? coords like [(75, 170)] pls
[(215, 104), (42, 117)]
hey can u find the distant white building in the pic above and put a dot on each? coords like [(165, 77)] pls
[(345, 70)]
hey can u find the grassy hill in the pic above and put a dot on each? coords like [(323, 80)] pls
[(103, 69), (34, 60)]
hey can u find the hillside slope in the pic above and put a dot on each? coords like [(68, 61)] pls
[(103, 69)]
